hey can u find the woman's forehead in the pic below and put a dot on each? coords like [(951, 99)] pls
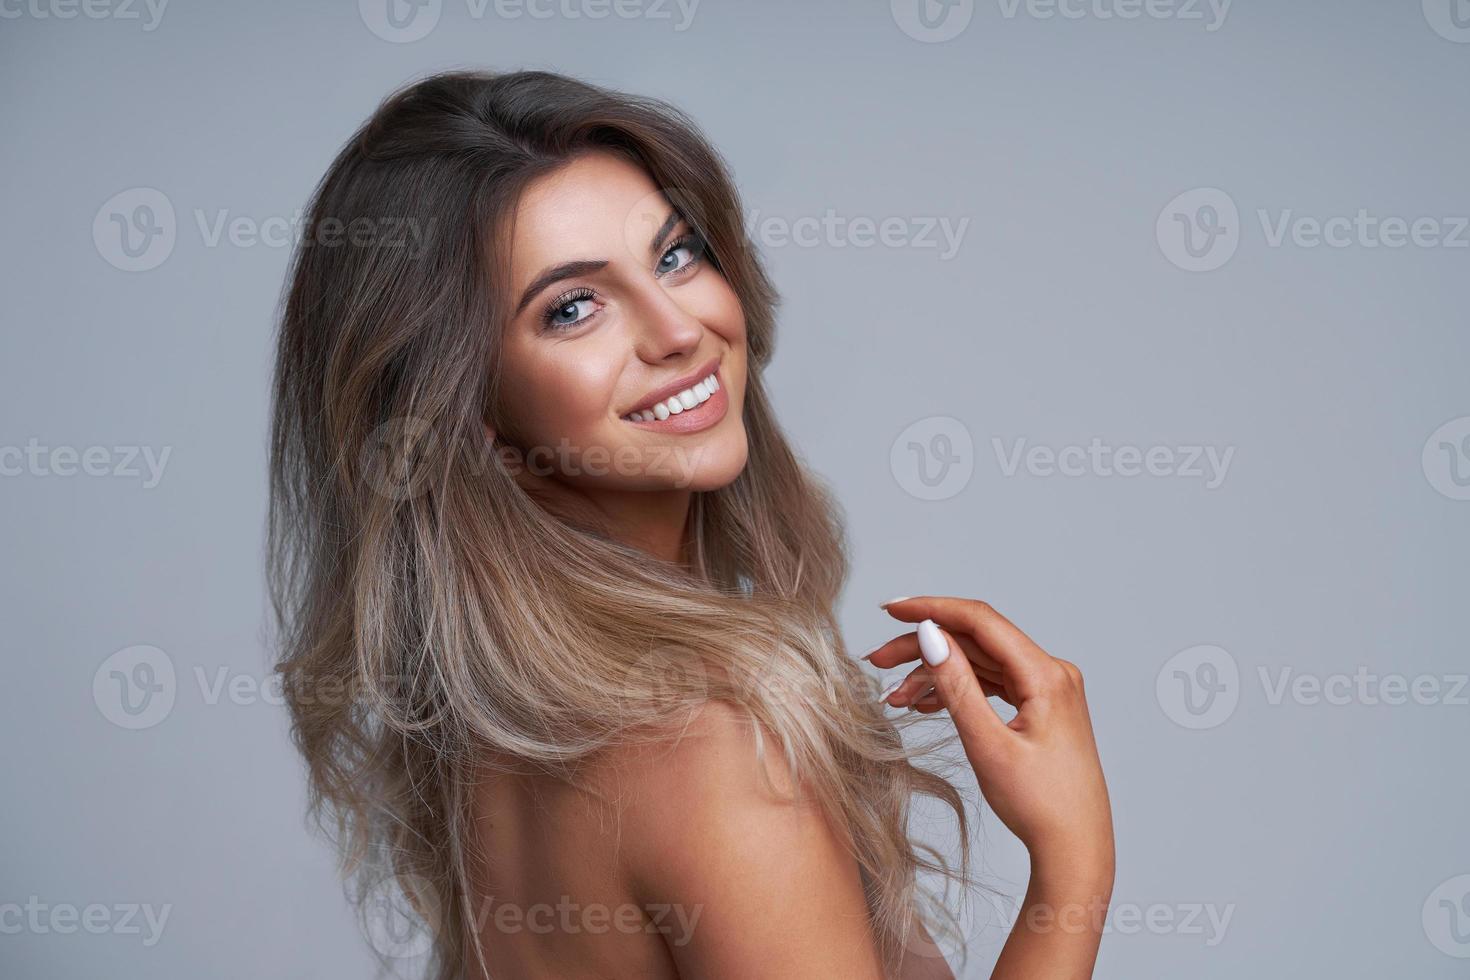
[(598, 200)]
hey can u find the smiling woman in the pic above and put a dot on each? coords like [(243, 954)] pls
[(582, 698), (646, 327)]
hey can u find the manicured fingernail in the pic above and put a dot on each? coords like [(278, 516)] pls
[(885, 605), (932, 644), (888, 693), (871, 652)]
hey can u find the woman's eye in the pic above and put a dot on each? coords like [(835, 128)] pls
[(682, 254), (569, 311), (671, 261)]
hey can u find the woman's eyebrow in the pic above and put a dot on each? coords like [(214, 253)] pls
[(583, 267)]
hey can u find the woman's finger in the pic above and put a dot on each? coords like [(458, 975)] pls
[(907, 688), (981, 730), (929, 702), (918, 686), (905, 648), (1020, 658), (929, 694)]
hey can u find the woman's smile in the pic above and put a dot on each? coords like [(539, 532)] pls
[(683, 407)]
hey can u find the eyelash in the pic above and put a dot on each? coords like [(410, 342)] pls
[(690, 240)]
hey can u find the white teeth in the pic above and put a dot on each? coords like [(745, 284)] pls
[(683, 401)]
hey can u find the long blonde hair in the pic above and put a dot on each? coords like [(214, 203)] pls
[(413, 575)]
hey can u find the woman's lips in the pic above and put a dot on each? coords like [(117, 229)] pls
[(696, 419)]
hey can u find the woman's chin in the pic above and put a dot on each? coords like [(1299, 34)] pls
[(697, 462), (700, 464)]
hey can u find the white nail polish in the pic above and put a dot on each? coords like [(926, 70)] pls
[(870, 652), (932, 644), (885, 605), (887, 693)]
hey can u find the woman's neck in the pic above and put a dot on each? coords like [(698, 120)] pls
[(653, 521)]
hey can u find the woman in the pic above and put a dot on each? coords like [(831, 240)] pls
[(535, 526)]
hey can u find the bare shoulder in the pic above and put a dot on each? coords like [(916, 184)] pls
[(710, 759), (710, 826)]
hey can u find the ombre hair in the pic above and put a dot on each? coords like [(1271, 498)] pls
[(430, 600)]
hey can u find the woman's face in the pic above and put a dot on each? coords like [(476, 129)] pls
[(616, 313)]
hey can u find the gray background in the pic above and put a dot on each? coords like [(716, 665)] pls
[(1329, 833)]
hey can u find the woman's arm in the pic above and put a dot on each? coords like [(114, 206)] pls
[(1060, 923), (1040, 772), (768, 883)]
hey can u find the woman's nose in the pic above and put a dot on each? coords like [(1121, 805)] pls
[(664, 327)]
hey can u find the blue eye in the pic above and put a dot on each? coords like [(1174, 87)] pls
[(576, 306), (567, 309), (691, 244)]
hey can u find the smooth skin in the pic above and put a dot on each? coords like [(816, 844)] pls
[(650, 314), (1040, 772), (676, 860)]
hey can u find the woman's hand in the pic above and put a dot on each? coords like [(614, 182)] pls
[(1040, 771)]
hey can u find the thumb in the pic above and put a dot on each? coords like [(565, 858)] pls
[(959, 689)]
